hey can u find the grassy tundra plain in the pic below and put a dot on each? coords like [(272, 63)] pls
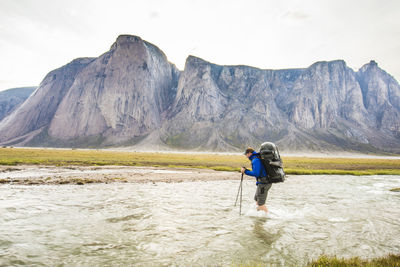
[(219, 162), (325, 261)]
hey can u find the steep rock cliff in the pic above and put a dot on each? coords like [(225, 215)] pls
[(39, 109), (119, 96), (223, 107), (381, 95), (326, 106)]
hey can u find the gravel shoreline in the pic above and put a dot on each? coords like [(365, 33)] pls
[(38, 175)]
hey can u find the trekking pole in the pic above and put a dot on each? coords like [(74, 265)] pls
[(241, 190), (240, 186)]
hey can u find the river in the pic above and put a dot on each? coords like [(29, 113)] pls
[(196, 223)]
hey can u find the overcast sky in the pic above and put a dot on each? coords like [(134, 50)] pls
[(37, 36)]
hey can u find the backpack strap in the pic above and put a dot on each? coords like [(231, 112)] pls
[(266, 164)]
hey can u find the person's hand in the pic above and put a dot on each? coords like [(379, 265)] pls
[(243, 169)]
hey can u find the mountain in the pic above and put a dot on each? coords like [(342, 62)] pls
[(133, 96), (111, 99), (119, 96), (11, 99), (36, 113), (322, 107)]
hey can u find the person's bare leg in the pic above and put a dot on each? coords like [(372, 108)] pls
[(262, 207)]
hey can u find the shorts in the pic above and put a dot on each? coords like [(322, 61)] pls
[(262, 193)]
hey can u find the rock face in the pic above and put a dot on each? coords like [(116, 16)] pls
[(132, 95), (323, 107), (381, 97), (38, 110), (12, 98), (224, 107), (119, 96)]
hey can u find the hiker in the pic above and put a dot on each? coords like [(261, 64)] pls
[(259, 172)]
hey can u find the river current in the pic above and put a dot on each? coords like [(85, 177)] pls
[(196, 223)]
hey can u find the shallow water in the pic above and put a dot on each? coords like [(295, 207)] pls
[(34, 172), (195, 223)]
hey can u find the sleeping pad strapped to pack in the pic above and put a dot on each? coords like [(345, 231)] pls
[(272, 162)]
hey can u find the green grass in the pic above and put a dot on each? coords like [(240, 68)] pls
[(325, 261), (390, 260), (343, 172), (219, 162)]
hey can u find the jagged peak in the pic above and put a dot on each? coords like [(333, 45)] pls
[(195, 60), (126, 38), (373, 63), (369, 66), (372, 68)]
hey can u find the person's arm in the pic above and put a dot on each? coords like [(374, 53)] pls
[(256, 169)]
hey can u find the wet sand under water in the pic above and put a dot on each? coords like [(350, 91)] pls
[(35, 175)]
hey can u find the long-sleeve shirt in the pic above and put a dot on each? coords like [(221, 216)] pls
[(258, 169)]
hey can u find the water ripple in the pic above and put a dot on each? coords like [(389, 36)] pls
[(195, 223)]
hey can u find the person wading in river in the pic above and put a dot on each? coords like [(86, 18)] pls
[(259, 172)]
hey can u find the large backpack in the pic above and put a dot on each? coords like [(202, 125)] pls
[(272, 162)]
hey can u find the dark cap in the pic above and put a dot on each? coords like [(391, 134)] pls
[(248, 150)]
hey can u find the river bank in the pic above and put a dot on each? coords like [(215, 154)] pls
[(300, 165), (41, 174)]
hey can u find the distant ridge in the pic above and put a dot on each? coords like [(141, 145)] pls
[(133, 96), (10, 99)]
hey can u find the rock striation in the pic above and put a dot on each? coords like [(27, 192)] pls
[(323, 107), (131, 95)]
